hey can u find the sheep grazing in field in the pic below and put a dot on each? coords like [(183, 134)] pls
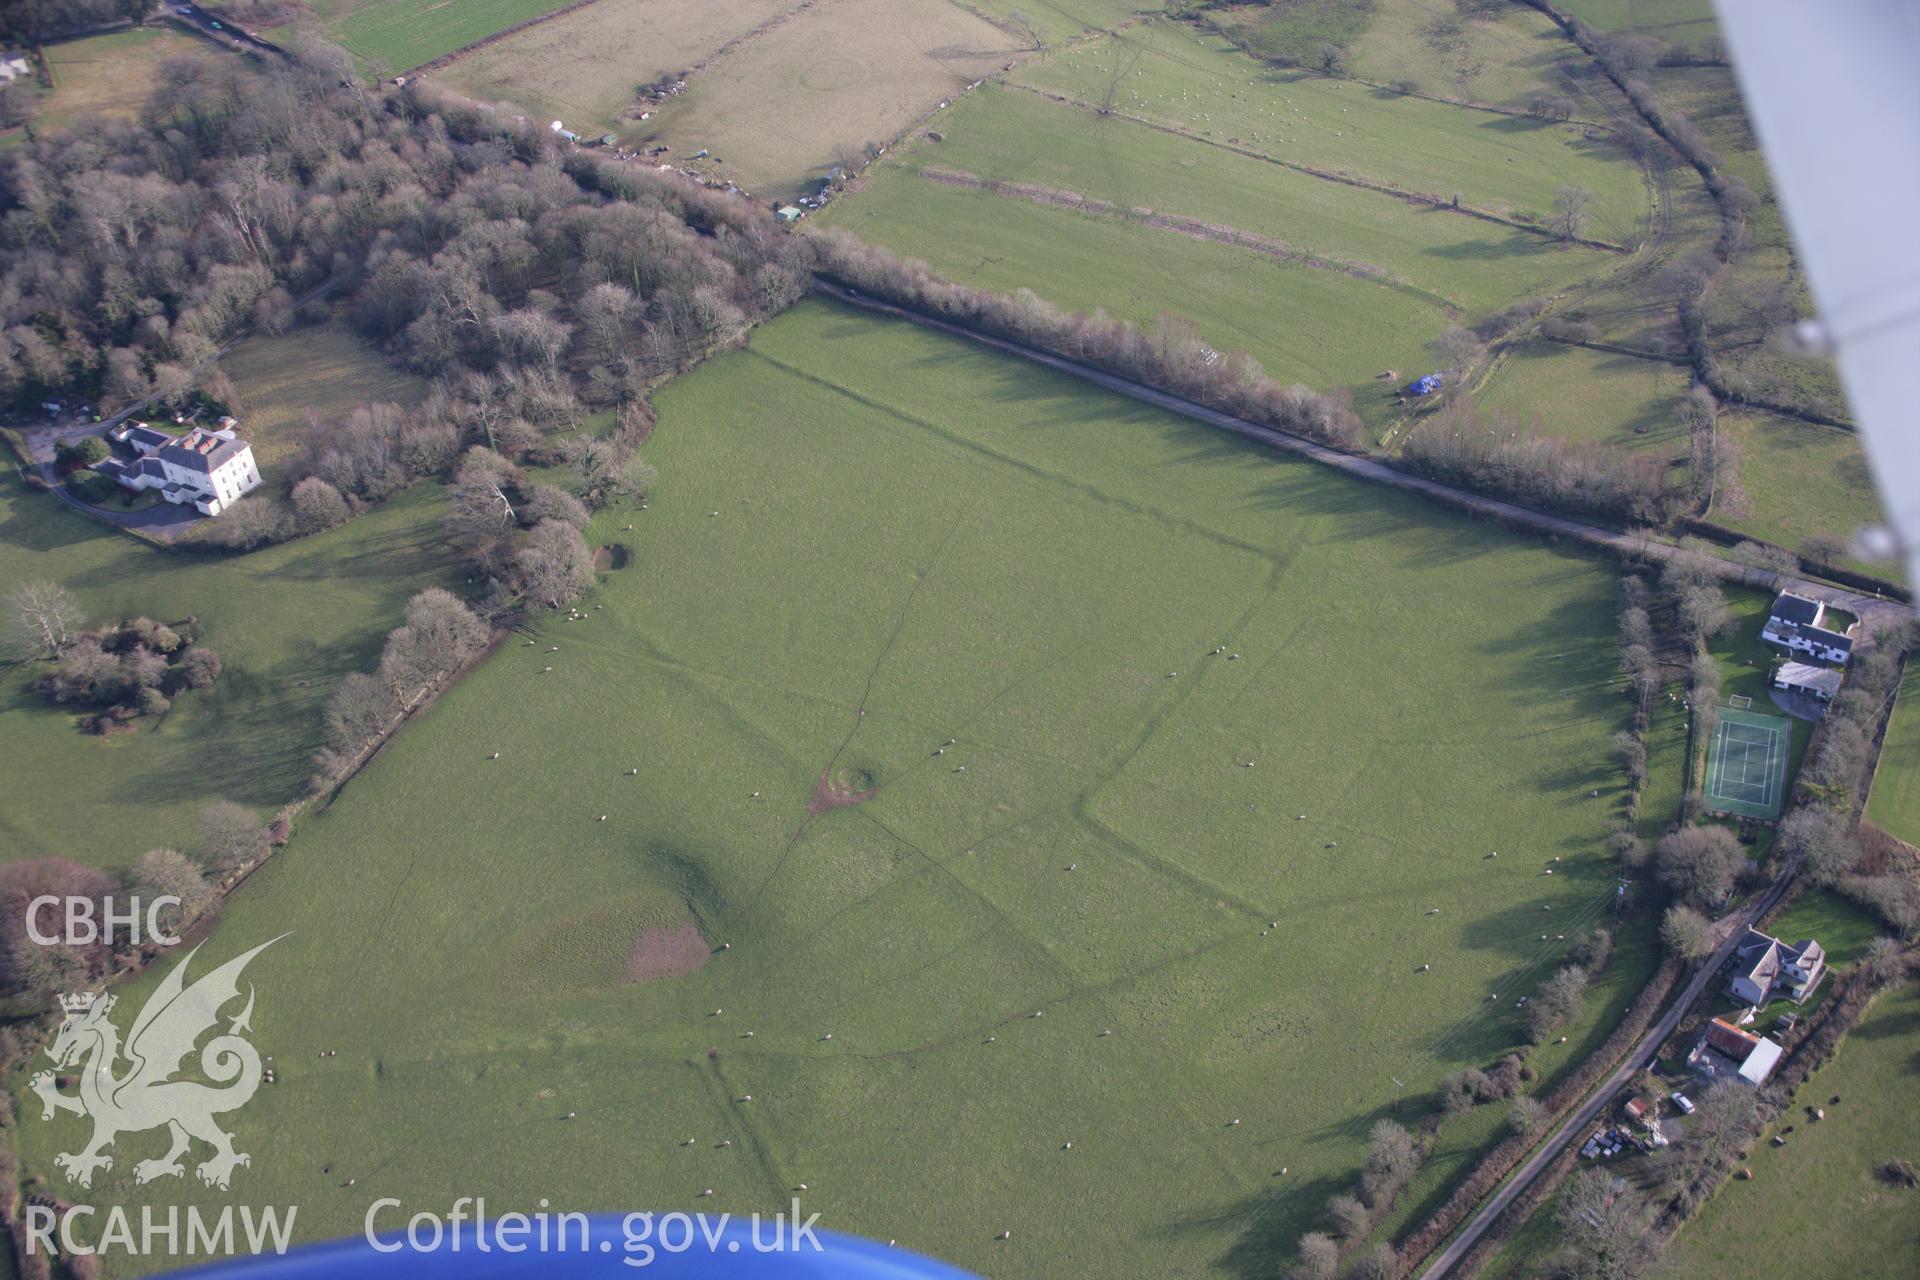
[(1106, 1031), (756, 795), (746, 1035), (726, 946), (1433, 911), (553, 648), (1073, 866), (746, 1097), (1233, 1124), (827, 1036), (716, 1013), (939, 751), (568, 1116), (801, 1187), (707, 1192), (726, 1142), (689, 1142), (633, 773), (1066, 1146), (1249, 764), (494, 756), (1299, 817), (531, 643), (1425, 968), (544, 670), (989, 1039), (1004, 1235)]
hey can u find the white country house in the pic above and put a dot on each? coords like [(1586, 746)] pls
[(1793, 624), (209, 469)]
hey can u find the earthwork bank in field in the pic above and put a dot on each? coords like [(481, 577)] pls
[(1110, 887)]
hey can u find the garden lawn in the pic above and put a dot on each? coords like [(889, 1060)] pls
[(289, 621), (1815, 1206), (1895, 800), (897, 561), (1840, 927), (304, 384)]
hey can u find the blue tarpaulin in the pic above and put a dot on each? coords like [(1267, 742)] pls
[(1426, 385)]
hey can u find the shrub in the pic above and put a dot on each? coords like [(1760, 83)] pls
[(1348, 1216), (84, 452), (200, 666), (1392, 1159), (1319, 1257), (152, 702), (1526, 1115), (317, 505), (91, 486)]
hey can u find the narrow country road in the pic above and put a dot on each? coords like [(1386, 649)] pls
[(1603, 1093), (1873, 611)]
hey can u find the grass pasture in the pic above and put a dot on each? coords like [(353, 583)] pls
[(583, 68), (304, 381), (1211, 90), (289, 622), (1800, 479), (1504, 57), (1815, 1206), (928, 543), (110, 75), (400, 34), (1302, 323), (776, 109), (1583, 394), (1895, 800)]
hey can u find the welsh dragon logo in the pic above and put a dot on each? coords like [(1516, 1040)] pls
[(146, 1095)]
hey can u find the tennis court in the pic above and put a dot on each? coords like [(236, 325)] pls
[(1747, 764)]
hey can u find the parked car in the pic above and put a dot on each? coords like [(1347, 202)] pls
[(1683, 1102)]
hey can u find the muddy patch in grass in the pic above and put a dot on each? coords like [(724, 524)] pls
[(839, 789), (666, 953), (612, 556)]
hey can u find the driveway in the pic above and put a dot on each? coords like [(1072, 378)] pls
[(165, 521)]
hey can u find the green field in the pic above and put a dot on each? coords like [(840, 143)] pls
[(405, 33), (289, 622), (1814, 1206), (1205, 88), (1504, 57), (1461, 262), (109, 76), (1895, 801), (1622, 401), (1303, 323), (307, 381), (924, 543), (1801, 479)]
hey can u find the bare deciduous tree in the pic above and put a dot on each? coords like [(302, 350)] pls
[(42, 619), (1700, 864), (1685, 933), (1570, 205)]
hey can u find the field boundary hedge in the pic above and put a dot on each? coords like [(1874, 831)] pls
[(447, 59)]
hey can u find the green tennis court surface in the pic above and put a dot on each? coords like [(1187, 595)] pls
[(1747, 764)]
